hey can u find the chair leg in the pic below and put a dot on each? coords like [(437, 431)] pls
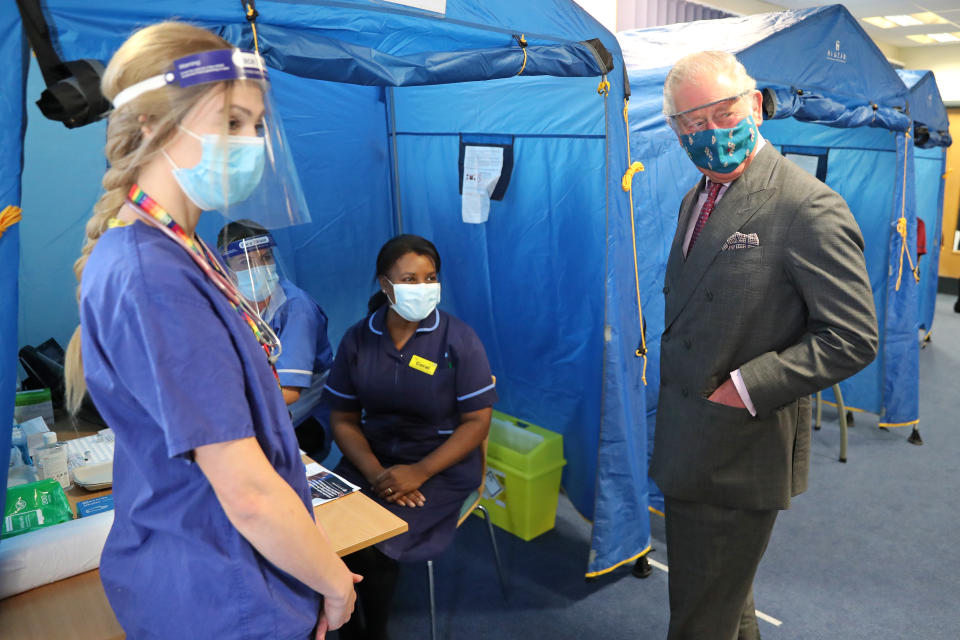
[(433, 602), (843, 422), (496, 552)]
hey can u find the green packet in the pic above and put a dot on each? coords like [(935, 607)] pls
[(34, 506)]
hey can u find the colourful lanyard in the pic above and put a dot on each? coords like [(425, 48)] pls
[(154, 214)]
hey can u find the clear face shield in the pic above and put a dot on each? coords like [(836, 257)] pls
[(725, 113), (230, 153), (256, 268)]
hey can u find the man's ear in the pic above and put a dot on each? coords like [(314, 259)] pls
[(757, 97)]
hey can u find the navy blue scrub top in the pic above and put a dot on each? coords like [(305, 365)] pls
[(411, 401), (301, 326), (171, 366)]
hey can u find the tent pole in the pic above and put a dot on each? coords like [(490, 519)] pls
[(392, 132)]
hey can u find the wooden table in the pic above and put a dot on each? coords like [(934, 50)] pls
[(77, 609)]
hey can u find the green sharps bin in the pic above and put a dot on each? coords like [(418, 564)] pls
[(524, 464)]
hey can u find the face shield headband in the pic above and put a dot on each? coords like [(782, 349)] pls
[(219, 65), (246, 245)]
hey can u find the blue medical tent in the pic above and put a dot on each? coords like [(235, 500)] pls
[(931, 137), (835, 103), (380, 102)]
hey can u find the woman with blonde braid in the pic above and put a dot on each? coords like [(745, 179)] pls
[(213, 535)]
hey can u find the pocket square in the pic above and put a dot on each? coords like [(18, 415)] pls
[(741, 241)]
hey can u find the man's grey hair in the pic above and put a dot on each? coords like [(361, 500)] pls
[(696, 67)]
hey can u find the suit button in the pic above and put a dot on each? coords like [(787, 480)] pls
[(666, 290), (710, 295), (683, 392), (687, 343)]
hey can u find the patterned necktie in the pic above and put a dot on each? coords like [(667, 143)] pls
[(705, 211)]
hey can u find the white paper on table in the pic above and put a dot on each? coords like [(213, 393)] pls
[(325, 485), (482, 167), (52, 553)]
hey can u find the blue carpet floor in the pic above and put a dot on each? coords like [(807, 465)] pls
[(869, 551)]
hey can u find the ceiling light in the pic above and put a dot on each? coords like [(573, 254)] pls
[(903, 20), (944, 37), (922, 39), (881, 22), (929, 17)]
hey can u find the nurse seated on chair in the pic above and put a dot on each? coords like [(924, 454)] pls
[(248, 250), (411, 396)]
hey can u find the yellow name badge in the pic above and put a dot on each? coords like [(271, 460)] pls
[(422, 364)]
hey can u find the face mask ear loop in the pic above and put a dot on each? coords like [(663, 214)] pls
[(169, 159), (387, 294)]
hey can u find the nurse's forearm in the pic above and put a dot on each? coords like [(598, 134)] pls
[(353, 444), (464, 439), (271, 516), (291, 394)]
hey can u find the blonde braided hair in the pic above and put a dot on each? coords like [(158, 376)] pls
[(148, 52)]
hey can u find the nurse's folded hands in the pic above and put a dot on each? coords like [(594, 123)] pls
[(400, 483)]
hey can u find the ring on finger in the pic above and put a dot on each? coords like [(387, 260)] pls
[(389, 491)]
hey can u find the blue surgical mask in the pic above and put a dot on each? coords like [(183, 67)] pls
[(414, 302), (204, 184), (257, 283), (721, 150)]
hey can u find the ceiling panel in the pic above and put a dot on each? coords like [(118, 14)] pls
[(948, 9)]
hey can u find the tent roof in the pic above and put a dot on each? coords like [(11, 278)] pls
[(926, 105), (820, 50), (344, 30)]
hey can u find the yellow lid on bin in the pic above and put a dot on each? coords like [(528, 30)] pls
[(527, 449)]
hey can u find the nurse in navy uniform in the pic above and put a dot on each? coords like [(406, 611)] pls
[(411, 396)]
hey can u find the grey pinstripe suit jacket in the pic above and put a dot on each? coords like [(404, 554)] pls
[(795, 314)]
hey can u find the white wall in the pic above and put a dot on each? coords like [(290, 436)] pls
[(604, 11), (741, 7), (943, 60)]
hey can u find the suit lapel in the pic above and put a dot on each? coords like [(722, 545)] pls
[(675, 259), (741, 201)]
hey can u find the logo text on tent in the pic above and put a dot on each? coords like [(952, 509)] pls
[(836, 54)]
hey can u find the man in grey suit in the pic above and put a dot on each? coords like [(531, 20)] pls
[(767, 302)]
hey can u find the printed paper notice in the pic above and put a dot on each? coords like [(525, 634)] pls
[(481, 171), (325, 485)]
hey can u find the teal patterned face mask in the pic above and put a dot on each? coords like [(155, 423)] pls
[(721, 150)]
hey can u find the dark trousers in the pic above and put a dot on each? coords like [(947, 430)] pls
[(374, 594), (713, 554)]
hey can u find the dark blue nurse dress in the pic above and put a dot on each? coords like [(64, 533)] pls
[(171, 366), (407, 412)]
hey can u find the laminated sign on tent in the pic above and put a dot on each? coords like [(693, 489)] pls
[(834, 105), (496, 129), (931, 137)]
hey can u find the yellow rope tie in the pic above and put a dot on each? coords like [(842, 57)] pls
[(627, 182), (627, 185), (902, 222), (604, 87), (9, 217), (251, 15), (522, 41), (902, 230)]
